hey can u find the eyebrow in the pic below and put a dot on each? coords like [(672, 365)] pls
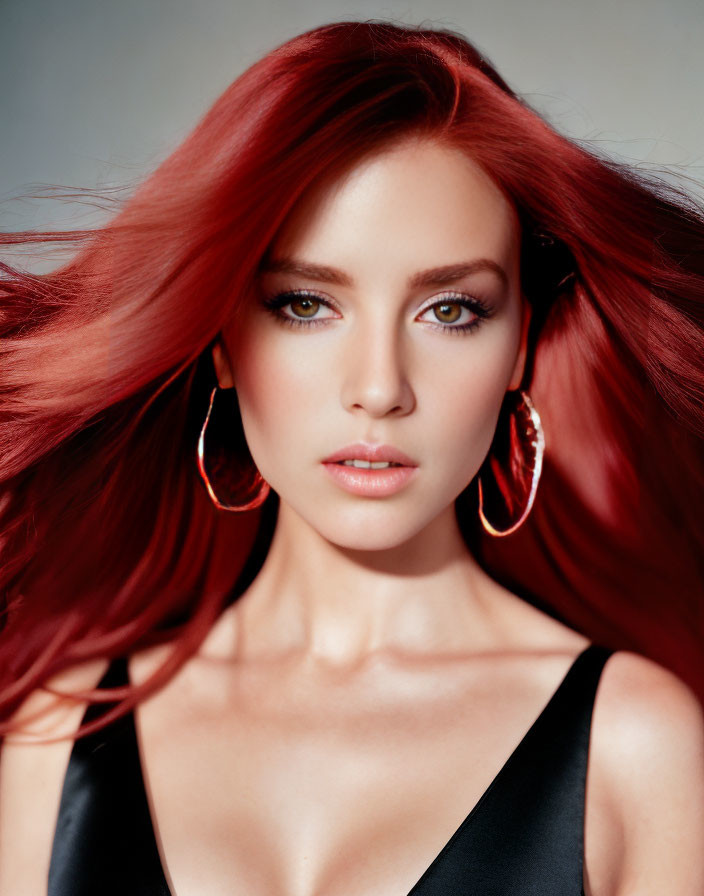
[(430, 277)]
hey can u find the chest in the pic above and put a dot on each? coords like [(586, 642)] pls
[(292, 805), (301, 793), (409, 796)]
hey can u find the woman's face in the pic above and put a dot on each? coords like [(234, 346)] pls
[(388, 312)]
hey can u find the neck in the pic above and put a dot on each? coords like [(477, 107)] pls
[(338, 606)]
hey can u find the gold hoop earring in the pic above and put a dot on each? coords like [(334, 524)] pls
[(515, 461), (226, 458)]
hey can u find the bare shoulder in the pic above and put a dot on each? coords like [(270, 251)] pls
[(31, 776), (648, 709), (48, 711), (648, 740)]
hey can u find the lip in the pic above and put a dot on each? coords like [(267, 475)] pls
[(371, 483), (368, 451)]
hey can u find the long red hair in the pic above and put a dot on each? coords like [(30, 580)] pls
[(108, 539)]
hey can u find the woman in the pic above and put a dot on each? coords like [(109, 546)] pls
[(363, 643)]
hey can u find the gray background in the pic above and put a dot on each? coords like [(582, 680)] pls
[(96, 92)]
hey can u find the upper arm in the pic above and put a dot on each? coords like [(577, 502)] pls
[(653, 729), (31, 780)]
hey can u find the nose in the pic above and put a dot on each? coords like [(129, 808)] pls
[(375, 377)]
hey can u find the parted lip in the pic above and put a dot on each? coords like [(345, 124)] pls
[(367, 451)]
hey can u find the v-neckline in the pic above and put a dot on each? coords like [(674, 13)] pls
[(462, 827)]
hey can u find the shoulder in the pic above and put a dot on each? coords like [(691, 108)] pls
[(648, 741), (50, 711), (647, 708)]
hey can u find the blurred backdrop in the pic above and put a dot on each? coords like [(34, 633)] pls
[(96, 92)]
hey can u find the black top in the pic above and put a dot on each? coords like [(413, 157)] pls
[(524, 837)]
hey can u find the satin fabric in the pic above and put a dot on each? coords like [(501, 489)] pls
[(524, 837)]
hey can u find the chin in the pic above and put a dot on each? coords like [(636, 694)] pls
[(372, 532), (369, 544)]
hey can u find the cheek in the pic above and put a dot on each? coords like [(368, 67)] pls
[(470, 423), (469, 391), (274, 384)]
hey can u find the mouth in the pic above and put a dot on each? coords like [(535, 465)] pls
[(373, 471), (364, 455), (368, 464)]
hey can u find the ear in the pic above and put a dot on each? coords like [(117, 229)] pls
[(520, 364), (223, 367)]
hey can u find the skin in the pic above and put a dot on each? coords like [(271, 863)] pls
[(343, 717), (390, 374)]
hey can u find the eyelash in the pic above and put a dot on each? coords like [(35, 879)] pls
[(275, 303)]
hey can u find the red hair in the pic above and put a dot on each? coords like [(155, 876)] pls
[(108, 539)]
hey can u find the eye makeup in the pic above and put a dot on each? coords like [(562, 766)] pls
[(305, 303)]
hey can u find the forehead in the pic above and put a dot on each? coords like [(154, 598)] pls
[(417, 201)]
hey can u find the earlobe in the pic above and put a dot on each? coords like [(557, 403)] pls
[(221, 362)]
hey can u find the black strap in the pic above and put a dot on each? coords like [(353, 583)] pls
[(526, 834), (104, 841)]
